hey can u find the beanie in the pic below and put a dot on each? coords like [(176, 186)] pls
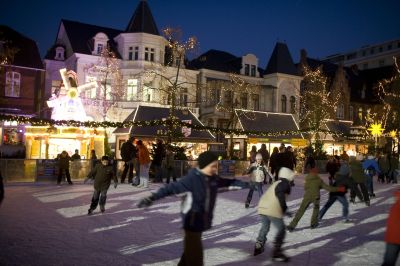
[(206, 158)]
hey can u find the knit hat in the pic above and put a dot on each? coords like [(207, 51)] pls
[(206, 158)]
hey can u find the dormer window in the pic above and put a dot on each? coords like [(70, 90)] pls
[(253, 70), (59, 53), (99, 48), (100, 43), (249, 65), (247, 69)]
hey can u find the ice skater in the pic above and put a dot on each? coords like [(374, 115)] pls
[(201, 186), (102, 174), (392, 236), (258, 173)]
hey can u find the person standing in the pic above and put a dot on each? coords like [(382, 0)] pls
[(271, 208), (357, 173), (272, 162), (253, 154), (75, 164), (144, 162), (63, 167), (371, 168), (392, 235), (76, 155), (128, 153), (102, 175), (93, 159), (332, 166), (169, 165), (159, 154), (201, 185), (265, 154), (384, 167), (312, 186), (258, 173)]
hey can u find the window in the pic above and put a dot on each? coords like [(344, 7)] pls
[(13, 84), (283, 103), (340, 111), (99, 48), (91, 92), (351, 113), (147, 93), (215, 95), (59, 53), (256, 102), (253, 70), (360, 114), (131, 92), (389, 47), (382, 62), (136, 53), (228, 98), (247, 69), (107, 90), (146, 54), (152, 54), (292, 104), (183, 97), (130, 54), (243, 100)]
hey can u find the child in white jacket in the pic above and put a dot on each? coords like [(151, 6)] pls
[(258, 172)]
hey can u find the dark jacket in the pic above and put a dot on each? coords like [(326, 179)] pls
[(272, 162), (332, 167), (159, 154), (342, 179), (102, 175), (128, 151), (203, 191), (75, 157), (284, 159), (63, 162), (265, 155)]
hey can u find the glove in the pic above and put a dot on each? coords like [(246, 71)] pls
[(145, 202), (341, 189), (115, 184)]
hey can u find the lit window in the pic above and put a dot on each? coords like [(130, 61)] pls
[(183, 97), (147, 93), (340, 111), (130, 54), (283, 103), (131, 93), (13, 84), (99, 48)]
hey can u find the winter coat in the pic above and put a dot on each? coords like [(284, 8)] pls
[(144, 156), (272, 163), (198, 206), (384, 164), (63, 162), (258, 172), (128, 151), (370, 163), (75, 157), (357, 172), (284, 159), (342, 179), (392, 235), (253, 156), (273, 201), (102, 175), (332, 167), (265, 155), (312, 186), (159, 154)]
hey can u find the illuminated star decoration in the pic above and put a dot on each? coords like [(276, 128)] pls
[(376, 129)]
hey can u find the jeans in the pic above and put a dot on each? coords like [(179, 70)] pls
[(265, 225), (144, 175), (254, 186), (364, 192), (329, 203), (128, 166), (369, 183), (98, 195), (192, 250), (391, 254)]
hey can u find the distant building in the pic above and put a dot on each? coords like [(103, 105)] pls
[(368, 56)]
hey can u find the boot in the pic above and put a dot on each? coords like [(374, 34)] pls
[(277, 255), (259, 248), (102, 208), (353, 200), (90, 212)]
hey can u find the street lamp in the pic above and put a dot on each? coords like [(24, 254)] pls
[(376, 131)]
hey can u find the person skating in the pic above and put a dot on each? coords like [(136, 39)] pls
[(371, 168), (144, 162), (272, 163), (258, 173), (312, 186), (392, 235), (332, 167), (342, 179), (128, 155), (63, 167), (271, 208), (357, 173), (201, 185), (102, 174)]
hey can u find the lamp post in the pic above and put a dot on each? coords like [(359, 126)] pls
[(376, 131)]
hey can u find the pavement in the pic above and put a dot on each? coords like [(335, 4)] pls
[(45, 224)]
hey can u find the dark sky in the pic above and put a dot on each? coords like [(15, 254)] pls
[(238, 27)]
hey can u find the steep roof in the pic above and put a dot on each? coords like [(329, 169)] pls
[(27, 54), (81, 36), (142, 20), (281, 61), (217, 60)]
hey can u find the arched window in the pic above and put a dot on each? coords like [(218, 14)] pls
[(292, 104), (340, 111), (283, 103), (13, 84)]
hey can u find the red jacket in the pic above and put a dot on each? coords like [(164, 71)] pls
[(392, 235)]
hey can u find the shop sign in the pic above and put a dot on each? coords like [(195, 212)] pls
[(299, 142), (256, 140)]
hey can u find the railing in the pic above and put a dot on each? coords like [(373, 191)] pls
[(41, 170)]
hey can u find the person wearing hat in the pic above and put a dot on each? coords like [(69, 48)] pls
[(312, 186), (258, 173), (102, 175), (201, 185), (271, 208)]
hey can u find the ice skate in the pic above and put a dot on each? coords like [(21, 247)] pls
[(258, 249), (278, 255), (102, 208)]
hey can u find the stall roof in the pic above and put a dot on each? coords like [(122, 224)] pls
[(268, 122), (339, 126), (148, 113)]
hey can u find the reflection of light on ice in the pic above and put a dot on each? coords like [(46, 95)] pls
[(361, 255), (375, 218), (378, 231), (62, 197), (80, 210), (175, 238)]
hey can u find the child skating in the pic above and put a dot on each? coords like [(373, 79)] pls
[(258, 173)]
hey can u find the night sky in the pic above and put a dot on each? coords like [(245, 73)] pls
[(238, 27)]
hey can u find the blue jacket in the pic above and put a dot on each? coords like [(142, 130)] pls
[(370, 163), (203, 193)]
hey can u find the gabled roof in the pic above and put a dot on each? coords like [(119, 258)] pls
[(268, 122), (281, 61), (142, 20), (27, 54), (81, 36), (217, 60), (148, 113)]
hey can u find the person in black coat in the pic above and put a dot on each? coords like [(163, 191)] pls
[(283, 159), (128, 154), (159, 155), (1, 189), (201, 186)]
